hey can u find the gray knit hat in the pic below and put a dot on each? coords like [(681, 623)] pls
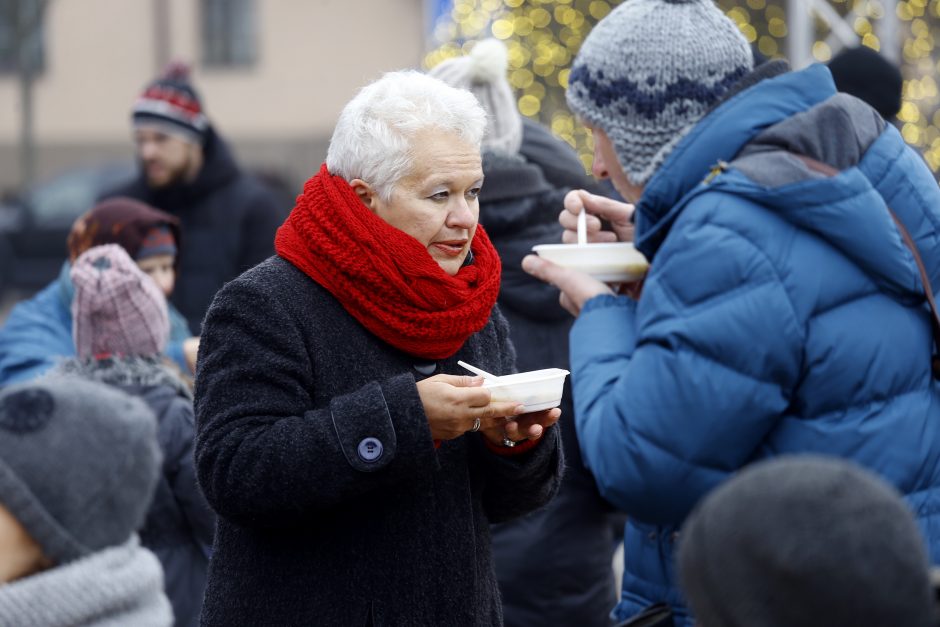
[(650, 70), (78, 463), (805, 541), (483, 72)]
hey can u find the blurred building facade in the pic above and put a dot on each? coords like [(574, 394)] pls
[(273, 74)]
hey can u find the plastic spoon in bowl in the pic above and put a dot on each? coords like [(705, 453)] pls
[(582, 227), (475, 370)]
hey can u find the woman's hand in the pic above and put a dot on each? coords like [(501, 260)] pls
[(453, 404), (618, 215), (528, 426), (576, 287), (190, 352)]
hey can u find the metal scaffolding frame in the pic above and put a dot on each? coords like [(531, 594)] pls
[(801, 16)]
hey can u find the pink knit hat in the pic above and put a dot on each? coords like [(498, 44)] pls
[(117, 308)]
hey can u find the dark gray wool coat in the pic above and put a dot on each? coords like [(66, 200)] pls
[(313, 447)]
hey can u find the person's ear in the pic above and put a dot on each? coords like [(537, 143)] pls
[(365, 192)]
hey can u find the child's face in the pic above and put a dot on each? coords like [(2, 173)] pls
[(160, 269), (20, 556)]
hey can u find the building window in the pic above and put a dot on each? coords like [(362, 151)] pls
[(229, 33), (21, 27)]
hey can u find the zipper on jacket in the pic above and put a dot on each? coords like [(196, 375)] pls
[(717, 169)]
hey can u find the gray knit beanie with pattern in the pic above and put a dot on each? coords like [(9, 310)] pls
[(650, 70), (483, 73), (805, 541), (79, 462)]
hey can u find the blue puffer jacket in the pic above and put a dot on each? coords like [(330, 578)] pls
[(782, 314), (38, 333)]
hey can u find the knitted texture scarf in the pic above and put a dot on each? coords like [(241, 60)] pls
[(114, 587), (384, 277)]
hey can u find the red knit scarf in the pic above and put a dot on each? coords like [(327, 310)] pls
[(384, 277)]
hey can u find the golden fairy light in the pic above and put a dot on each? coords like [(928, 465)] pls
[(543, 36)]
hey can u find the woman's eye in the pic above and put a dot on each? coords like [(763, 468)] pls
[(439, 196), (473, 193)]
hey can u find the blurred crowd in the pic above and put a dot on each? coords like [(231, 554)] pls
[(225, 411)]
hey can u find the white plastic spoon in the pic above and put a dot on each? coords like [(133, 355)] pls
[(582, 227), (475, 370)]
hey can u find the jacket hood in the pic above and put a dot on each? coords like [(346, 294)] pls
[(519, 209), (851, 210), (759, 129), (136, 374)]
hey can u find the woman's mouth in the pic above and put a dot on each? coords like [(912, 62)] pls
[(452, 248)]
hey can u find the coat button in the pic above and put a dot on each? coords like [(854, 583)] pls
[(427, 368), (370, 449)]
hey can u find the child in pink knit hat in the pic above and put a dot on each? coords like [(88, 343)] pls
[(117, 308), (120, 329)]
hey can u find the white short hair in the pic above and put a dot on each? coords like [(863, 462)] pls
[(373, 137)]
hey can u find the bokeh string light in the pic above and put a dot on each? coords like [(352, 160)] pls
[(544, 35)]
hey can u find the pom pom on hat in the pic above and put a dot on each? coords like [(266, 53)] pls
[(171, 105), (483, 73)]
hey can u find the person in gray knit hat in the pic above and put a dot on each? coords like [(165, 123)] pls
[(646, 98), (78, 465), (806, 541), (777, 215)]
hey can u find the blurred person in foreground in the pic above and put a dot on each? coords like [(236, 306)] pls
[(782, 312), (78, 465), (121, 329), (806, 541), (355, 474), (869, 76), (187, 170), (553, 565), (38, 332)]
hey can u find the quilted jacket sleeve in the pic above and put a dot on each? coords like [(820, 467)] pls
[(674, 393)]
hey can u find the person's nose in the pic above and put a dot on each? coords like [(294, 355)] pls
[(599, 168), (462, 214), (147, 150)]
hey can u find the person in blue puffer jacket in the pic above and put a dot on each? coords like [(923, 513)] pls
[(782, 311), (38, 332)]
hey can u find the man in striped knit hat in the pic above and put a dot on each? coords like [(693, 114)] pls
[(188, 171)]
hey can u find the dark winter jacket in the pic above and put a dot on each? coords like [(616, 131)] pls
[(179, 525), (782, 314), (313, 447), (227, 218), (553, 565), (559, 164)]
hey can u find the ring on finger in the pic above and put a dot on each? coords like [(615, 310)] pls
[(476, 425)]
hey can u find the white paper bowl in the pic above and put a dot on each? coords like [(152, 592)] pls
[(536, 389), (615, 262)]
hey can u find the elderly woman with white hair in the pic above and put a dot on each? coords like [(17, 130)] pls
[(354, 470)]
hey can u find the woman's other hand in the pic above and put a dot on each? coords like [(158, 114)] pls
[(529, 426), (190, 352), (618, 215), (453, 404), (576, 287)]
